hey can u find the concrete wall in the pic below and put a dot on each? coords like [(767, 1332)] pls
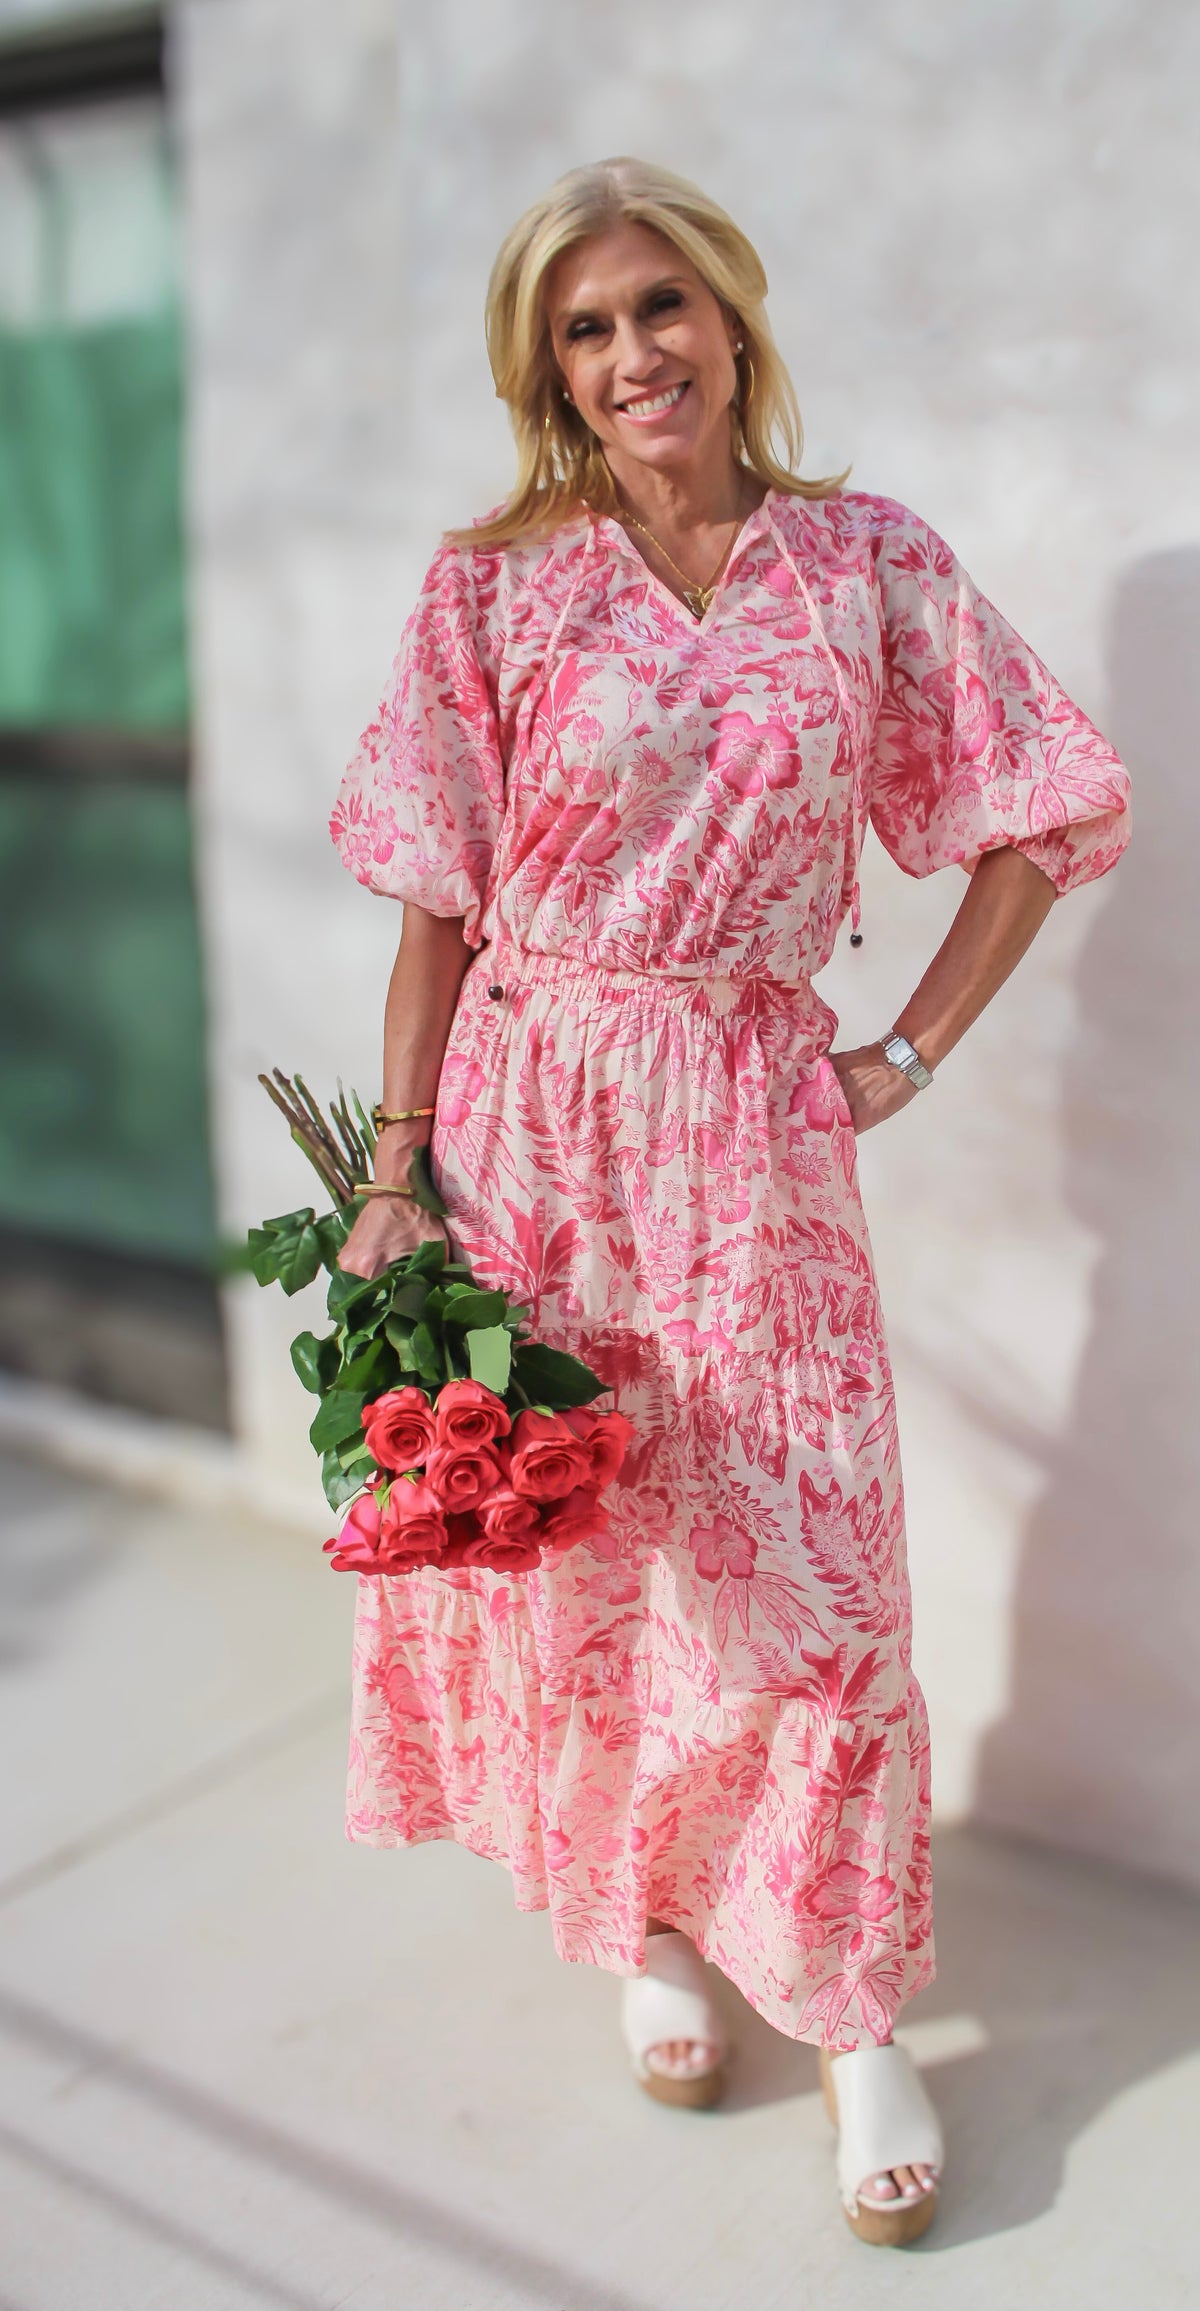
[(978, 225)]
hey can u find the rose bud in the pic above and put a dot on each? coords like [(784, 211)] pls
[(399, 1429), (413, 1531), (467, 1413), (460, 1477), (606, 1436), (547, 1460)]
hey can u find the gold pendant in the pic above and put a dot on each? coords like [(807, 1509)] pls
[(699, 600)]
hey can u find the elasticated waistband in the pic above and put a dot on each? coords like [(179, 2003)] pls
[(505, 968)]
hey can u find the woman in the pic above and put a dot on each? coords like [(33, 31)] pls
[(620, 778)]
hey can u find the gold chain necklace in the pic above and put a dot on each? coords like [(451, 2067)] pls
[(698, 598)]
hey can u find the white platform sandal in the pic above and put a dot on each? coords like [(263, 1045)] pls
[(885, 2119), (671, 2000)]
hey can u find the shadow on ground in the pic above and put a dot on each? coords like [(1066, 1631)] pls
[(1075, 1989)]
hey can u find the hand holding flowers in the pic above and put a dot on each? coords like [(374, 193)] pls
[(456, 1439)]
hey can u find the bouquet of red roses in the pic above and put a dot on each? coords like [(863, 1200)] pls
[(454, 1437)]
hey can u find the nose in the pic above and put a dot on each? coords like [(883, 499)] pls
[(637, 351)]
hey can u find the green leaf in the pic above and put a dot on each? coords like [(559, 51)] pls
[(477, 1309), (400, 1336), (314, 1362), (346, 1291), (515, 1318), (490, 1351), (553, 1378), (262, 1256), (299, 1260), (429, 1259), (332, 1232), (339, 1417), (339, 1484), (427, 1355), (409, 1298), (291, 1223), (420, 1180), (367, 1370), (354, 1451)]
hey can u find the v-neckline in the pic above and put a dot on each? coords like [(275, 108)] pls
[(694, 625)]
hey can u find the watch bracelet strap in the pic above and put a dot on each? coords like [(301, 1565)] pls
[(908, 1059)]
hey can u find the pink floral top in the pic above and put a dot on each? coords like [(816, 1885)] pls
[(565, 758)]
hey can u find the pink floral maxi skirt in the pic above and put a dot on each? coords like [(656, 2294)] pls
[(710, 1718)]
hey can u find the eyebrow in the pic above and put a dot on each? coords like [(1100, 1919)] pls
[(587, 312)]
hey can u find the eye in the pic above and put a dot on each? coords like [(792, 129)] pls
[(667, 300), (578, 329)]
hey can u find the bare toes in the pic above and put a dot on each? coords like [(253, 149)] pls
[(682, 2057)]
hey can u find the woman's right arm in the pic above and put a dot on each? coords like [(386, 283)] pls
[(421, 999)]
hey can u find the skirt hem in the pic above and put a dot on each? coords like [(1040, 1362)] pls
[(528, 1902)]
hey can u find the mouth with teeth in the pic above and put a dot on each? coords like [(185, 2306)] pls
[(648, 406)]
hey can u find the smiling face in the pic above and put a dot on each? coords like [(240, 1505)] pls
[(645, 349)]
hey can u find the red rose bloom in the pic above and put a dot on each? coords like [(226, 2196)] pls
[(467, 1413), (498, 1555), (547, 1460), (605, 1435), (399, 1429), (461, 1477), (577, 1518), (356, 1548), (508, 1516), (413, 1531)]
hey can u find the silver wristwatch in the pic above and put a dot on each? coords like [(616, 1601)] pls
[(898, 1051)]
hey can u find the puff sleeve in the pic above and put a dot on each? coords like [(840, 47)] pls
[(419, 809), (976, 744)]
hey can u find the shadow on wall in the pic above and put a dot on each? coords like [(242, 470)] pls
[(1100, 1748)]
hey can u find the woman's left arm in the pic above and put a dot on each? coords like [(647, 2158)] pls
[(1004, 908)]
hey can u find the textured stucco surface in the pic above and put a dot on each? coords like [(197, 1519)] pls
[(978, 226)]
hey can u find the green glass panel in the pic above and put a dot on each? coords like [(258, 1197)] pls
[(103, 1128), (92, 619), (103, 1131)]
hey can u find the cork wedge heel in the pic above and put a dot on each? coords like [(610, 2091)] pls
[(884, 2119)]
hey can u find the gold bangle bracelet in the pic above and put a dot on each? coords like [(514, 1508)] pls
[(398, 1115), (381, 1188)]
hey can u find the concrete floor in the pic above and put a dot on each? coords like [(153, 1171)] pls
[(247, 2064)]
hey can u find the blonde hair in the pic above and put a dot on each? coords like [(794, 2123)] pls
[(560, 464)]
